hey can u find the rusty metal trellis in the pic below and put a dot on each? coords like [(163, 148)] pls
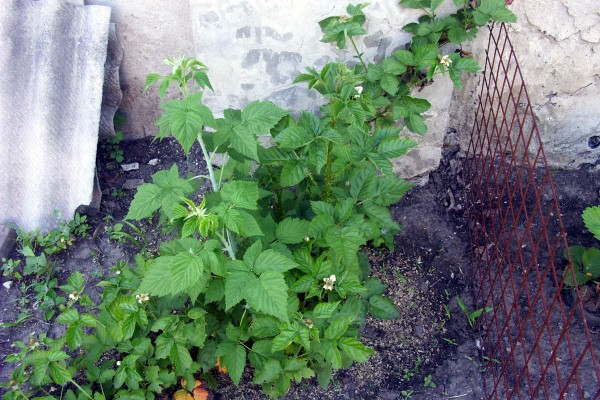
[(535, 345)]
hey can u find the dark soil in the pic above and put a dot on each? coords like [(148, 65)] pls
[(430, 267)]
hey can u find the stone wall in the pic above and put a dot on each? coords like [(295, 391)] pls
[(255, 48), (557, 44)]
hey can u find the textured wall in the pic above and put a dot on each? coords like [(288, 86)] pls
[(557, 44), (51, 73), (255, 49), (149, 31)]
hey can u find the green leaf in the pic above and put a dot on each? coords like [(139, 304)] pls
[(267, 294), (354, 349), (145, 202), (242, 194), (415, 123), (406, 57), (284, 339), (60, 375), (264, 326), (184, 120), (303, 285), (236, 282), (74, 335), (180, 357), (293, 137), (163, 346), (383, 307), (233, 357), (292, 173), (467, 64), (185, 270), (325, 310), (292, 230), (591, 219), (268, 373), (248, 226), (157, 278), (273, 261), (337, 328), (68, 317), (261, 116), (389, 83), (215, 291)]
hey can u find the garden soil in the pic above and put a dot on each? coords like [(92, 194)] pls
[(430, 352)]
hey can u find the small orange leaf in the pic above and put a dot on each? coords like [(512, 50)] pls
[(200, 394), (182, 394), (220, 368)]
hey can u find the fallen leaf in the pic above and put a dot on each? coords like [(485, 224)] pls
[(200, 394), (220, 368), (182, 394)]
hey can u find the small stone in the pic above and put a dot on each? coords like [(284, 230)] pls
[(130, 167), (418, 330), (388, 394), (132, 183), (7, 284), (154, 161)]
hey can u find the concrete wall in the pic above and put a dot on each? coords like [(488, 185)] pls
[(255, 48), (557, 44)]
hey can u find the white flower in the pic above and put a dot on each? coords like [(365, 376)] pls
[(359, 89), (142, 297), (329, 282), (117, 272), (309, 323), (446, 61), (7, 284), (118, 363), (307, 239), (74, 296)]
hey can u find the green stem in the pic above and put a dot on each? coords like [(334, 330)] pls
[(358, 53), (227, 243), (207, 158), (230, 243), (81, 389), (328, 173)]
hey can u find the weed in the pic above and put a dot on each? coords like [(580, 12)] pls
[(428, 382), (472, 316)]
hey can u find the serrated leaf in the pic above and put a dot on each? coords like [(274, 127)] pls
[(467, 64), (242, 194), (383, 307), (337, 328), (293, 137), (233, 357), (157, 278), (303, 285), (185, 269), (74, 335), (180, 357), (236, 281), (325, 310), (591, 219), (354, 349), (145, 202), (268, 294), (271, 260), (264, 326), (261, 116), (292, 230), (248, 225), (415, 123), (215, 291), (292, 173), (60, 375), (68, 316), (270, 370), (283, 339), (389, 83)]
